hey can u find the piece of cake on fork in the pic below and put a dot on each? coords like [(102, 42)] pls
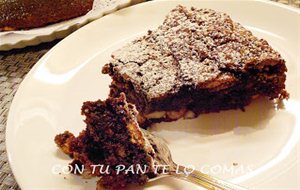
[(197, 61), (112, 147)]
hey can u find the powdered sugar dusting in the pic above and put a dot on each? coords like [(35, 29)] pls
[(191, 48), (146, 66)]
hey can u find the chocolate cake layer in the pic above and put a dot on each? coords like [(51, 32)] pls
[(112, 139), (197, 61)]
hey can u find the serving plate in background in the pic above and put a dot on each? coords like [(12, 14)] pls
[(22, 38)]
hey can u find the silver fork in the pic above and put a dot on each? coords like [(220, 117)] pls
[(163, 157)]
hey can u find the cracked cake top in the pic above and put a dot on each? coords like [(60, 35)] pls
[(193, 47)]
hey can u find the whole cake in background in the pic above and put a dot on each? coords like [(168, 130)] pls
[(26, 14), (197, 61)]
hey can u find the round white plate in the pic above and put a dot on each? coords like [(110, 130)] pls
[(22, 38), (258, 148)]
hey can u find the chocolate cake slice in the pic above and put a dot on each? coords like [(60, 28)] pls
[(112, 146), (197, 61)]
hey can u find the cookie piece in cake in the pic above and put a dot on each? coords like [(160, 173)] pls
[(112, 139), (197, 61)]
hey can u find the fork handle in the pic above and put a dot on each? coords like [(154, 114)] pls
[(204, 180)]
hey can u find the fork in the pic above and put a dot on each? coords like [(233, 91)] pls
[(163, 157)]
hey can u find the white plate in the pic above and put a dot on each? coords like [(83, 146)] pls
[(263, 141), (22, 38)]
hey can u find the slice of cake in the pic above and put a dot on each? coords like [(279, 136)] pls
[(197, 61), (112, 146)]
